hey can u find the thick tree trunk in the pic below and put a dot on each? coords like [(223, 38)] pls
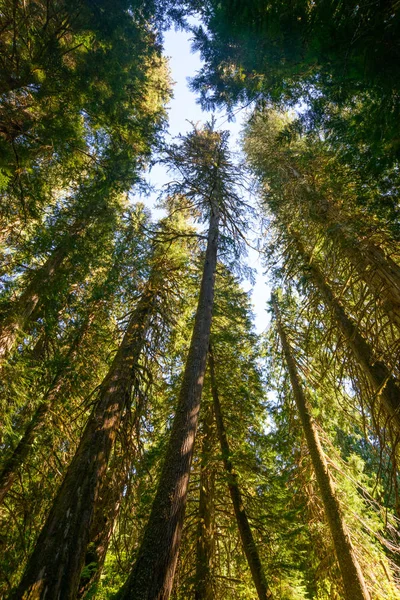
[(104, 520), (54, 569), (353, 580), (153, 573), (107, 510), (204, 589), (246, 535), (23, 448), (380, 377)]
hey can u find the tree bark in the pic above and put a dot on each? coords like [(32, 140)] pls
[(153, 573), (246, 535), (353, 580), (382, 381), (204, 589), (104, 520), (107, 510), (53, 570), (23, 448)]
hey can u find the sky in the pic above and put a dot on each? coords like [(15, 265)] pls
[(183, 110)]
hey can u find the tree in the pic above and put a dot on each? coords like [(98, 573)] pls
[(207, 181), (249, 546), (318, 54), (353, 579), (302, 173), (72, 512)]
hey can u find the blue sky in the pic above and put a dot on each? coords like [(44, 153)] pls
[(183, 109)]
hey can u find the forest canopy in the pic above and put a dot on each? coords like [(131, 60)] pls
[(153, 444)]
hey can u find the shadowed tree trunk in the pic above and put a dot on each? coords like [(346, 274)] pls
[(153, 573), (204, 589), (105, 516), (54, 568), (108, 506), (353, 580), (246, 535), (38, 420), (385, 385)]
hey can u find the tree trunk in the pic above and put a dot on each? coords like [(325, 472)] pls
[(105, 516), (204, 589), (375, 267), (379, 271), (153, 573), (107, 510), (54, 569), (23, 448), (246, 535), (18, 318), (353, 580), (380, 377), (24, 309)]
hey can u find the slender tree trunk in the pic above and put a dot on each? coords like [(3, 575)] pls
[(246, 535), (36, 424), (375, 267), (204, 589), (379, 271), (380, 377), (18, 318), (353, 580), (153, 573), (53, 570), (25, 308)]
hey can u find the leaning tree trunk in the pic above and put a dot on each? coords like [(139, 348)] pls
[(246, 535), (53, 570), (153, 573), (22, 309), (380, 377), (353, 580), (38, 420), (204, 589), (378, 270), (25, 308)]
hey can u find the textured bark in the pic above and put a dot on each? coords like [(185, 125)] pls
[(107, 509), (53, 570), (204, 589), (246, 535), (104, 520), (353, 580), (37, 422), (380, 377), (153, 573)]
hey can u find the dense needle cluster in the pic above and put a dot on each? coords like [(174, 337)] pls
[(153, 446)]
